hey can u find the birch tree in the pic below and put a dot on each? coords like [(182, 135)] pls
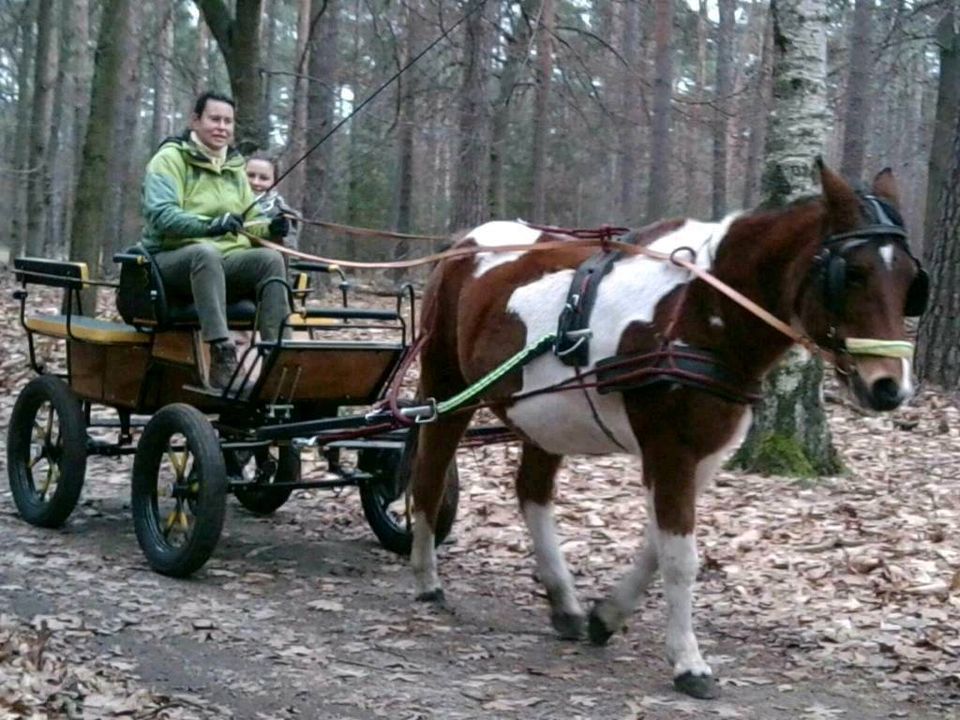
[(790, 434)]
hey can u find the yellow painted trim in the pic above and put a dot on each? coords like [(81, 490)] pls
[(87, 329), (303, 281), (296, 320)]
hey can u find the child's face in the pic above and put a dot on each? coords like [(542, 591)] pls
[(260, 175)]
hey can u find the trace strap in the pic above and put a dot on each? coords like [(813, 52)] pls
[(520, 359)]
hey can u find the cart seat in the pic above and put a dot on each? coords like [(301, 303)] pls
[(87, 329)]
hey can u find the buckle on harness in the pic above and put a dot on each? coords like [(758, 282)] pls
[(580, 336)]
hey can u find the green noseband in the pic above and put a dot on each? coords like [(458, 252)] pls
[(880, 348)]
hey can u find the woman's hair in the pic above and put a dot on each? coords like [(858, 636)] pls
[(201, 103), (267, 158)]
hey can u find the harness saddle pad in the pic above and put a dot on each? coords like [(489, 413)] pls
[(573, 338)]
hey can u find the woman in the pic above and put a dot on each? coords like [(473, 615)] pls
[(195, 194)]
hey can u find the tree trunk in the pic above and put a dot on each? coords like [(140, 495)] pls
[(948, 110), (21, 159), (162, 125), (722, 104), (268, 41), (76, 14), (858, 93), (127, 114), (761, 99), (321, 99), (239, 41), (658, 197), (938, 358), (517, 52), (469, 193), (38, 175), (630, 109), (790, 434), (297, 145), (99, 145), (541, 111)]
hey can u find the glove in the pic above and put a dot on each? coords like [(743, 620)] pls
[(226, 223), (279, 226)]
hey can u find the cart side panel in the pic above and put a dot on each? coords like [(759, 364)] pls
[(349, 376), (109, 374), (87, 368)]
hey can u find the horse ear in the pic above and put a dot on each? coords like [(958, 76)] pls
[(885, 186), (843, 208)]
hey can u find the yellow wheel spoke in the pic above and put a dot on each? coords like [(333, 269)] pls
[(49, 432), (52, 473), (179, 462), (40, 456)]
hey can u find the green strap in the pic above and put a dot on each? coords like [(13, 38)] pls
[(519, 360)]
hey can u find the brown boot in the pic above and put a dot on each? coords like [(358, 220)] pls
[(223, 363)]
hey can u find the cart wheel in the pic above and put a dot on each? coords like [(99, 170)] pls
[(179, 490), (386, 502), (268, 468), (46, 451)]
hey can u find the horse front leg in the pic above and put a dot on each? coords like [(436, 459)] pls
[(436, 448), (610, 614), (535, 492)]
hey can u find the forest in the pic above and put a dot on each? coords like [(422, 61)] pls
[(567, 112)]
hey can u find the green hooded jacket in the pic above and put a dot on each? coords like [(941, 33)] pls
[(183, 190)]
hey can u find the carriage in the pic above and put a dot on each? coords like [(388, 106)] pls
[(137, 387)]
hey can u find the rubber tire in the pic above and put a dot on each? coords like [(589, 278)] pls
[(376, 496), (265, 500), (54, 511), (210, 506)]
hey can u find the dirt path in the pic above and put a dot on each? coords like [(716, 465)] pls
[(302, 615)]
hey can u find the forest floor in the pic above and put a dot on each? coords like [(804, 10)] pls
[(834, 599)]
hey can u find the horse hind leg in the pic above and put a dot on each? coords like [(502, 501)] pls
[(436, 448), (535, 491)]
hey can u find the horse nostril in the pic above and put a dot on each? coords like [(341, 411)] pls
[(886, 394)]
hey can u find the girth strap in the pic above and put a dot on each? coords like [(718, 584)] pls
[(682, 364), (573, 334)]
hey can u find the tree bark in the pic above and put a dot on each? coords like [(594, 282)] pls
[(239, 41), (469, 193), (268, 41), (723, 104), (658, 196), (21, 159), (321, 101), (631, 112), (858, 92), (77, 64), (297, 145), (948, 110), (99, 145), (541, 111), (938, 341), (38, 175), (761, 100), (790, 434), (517, 52), (162, 124)]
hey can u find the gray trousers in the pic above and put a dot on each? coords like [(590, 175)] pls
[(212, 279)]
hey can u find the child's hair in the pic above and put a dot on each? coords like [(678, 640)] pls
[(266, 157)]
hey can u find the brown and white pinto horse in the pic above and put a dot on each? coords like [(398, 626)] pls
[(836, 267)]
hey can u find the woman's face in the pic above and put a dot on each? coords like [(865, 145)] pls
[(214, 126), (260, 174)]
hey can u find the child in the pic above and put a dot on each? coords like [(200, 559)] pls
[(262, 171)]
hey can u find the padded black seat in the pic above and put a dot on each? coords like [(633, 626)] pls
[(143, 302)]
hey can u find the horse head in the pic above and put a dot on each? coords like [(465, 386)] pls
[(863, 282)]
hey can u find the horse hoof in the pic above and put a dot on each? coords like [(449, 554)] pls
[(432, 596), (704, 687), (569, 626), (597, 629)]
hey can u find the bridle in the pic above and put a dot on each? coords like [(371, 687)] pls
[(830, 276)]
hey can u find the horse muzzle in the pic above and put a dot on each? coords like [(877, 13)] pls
[(881, 378)]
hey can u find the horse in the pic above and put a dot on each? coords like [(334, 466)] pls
[(671, 371)]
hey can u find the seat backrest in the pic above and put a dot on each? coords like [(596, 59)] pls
[(141, 299)]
